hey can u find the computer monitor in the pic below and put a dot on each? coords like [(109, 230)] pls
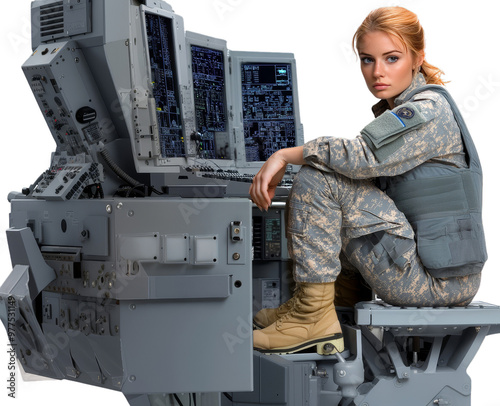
[(165, 84), (265, 92), (208, 69), (166, 62)]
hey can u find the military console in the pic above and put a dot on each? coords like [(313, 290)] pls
[(141, 234)]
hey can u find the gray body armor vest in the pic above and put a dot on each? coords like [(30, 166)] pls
[(443, 204)]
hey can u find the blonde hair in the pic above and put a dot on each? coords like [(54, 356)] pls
[(403, 25)]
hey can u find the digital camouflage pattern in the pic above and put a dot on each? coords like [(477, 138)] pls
[(336, 206), (438, 140)]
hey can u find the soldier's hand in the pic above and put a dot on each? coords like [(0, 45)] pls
[(264, 184)]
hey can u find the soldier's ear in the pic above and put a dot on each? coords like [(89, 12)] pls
[(418, 61)]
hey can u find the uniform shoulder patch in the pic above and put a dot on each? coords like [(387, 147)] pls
[(384, 135), (405, 112)]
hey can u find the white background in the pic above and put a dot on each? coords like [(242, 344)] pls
[(462, 39)]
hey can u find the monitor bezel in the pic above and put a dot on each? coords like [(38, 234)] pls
[(238, 58), (160, 163), (205, 41)]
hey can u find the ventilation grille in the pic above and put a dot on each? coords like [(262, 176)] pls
[(258, 237), (62, 18), (52, 20)]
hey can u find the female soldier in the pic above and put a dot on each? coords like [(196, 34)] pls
[(402, 201)]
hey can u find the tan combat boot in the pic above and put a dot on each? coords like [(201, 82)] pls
[(266, 317), (311, 321), (351, 290)]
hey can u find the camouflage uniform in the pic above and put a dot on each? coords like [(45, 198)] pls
[(336, 206)]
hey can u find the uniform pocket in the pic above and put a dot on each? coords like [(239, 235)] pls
[(452, 246), (297, 218)]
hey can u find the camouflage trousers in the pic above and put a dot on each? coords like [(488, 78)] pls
[(329, 214)]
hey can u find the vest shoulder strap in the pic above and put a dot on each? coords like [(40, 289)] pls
[(470, 148)]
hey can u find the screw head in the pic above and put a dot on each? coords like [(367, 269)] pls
[(328, 347)]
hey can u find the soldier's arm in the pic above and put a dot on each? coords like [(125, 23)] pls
[(393, 143), (269, 176)]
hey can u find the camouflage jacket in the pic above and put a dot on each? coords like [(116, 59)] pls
[(435, 139)]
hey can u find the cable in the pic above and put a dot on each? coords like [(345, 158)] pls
[(117, 170), (30, 189), (122, 174), (178, 400), (135, 189)]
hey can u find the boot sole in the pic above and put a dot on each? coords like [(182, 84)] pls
[(324, 346)]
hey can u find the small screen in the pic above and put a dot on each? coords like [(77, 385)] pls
[(209, 102), (268, 109), (165, 85)]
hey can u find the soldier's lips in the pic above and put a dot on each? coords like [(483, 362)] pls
[(380, 86)]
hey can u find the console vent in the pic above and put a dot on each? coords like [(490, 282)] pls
[(258, 237), (52, 20), (58, 19)]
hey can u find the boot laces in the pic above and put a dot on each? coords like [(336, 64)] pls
[(294, 306)]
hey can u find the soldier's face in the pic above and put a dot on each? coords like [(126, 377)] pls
[(386, 66)]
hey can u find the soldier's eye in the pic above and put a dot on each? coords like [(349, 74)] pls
[(393, 59), (366, 60)]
